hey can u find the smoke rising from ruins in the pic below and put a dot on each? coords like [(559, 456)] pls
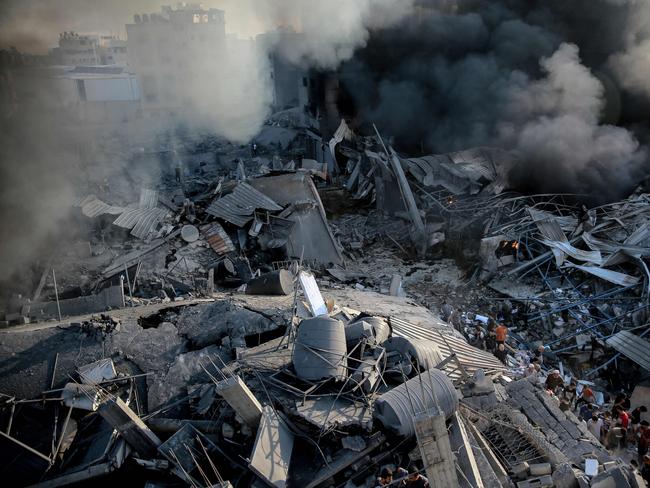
[(439, 74)]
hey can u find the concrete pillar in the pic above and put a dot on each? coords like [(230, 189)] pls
[(130, 426), (241, 399), (435, 449)]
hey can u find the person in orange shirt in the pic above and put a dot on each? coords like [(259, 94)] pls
[(501, 333)]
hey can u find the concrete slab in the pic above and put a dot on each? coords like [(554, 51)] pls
[(272, 450)]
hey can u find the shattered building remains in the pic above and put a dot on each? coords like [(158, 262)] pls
[(320, 305)]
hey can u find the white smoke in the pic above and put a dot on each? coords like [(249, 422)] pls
[(334, 29), (632, 64)]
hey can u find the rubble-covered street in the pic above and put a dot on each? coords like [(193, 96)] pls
[(258, 274)]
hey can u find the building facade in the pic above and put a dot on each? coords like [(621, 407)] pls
[(171, 49)]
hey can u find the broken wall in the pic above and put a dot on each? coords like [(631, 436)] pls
[(310, 238)]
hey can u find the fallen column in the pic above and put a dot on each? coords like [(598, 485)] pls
[(241, 399), (435, 449), (130, 426)]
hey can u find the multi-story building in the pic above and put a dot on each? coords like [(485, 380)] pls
[(113, 50), (77, 50), (171, 50), (89, 50)]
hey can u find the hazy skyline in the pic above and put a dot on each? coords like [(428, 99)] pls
[(33, 26)]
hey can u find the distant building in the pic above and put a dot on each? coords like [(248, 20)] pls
[(77, 50), (89, 50), (289, 78), (85, 94), (171, 48), (102, 94), (113, 51)]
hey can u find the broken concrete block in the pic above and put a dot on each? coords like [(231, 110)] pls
[(186, 369), (614, 478), (539, 482), (540, 469), (520, 471), (272, 450), (564, 476), (208, 323), (241, 399), (354, 443)]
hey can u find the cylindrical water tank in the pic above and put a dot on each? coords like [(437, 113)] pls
[(396, 408), (375, 329), (320, 349), (274, 283), (421, 351)]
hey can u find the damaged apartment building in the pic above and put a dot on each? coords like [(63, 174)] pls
[(320, 306)]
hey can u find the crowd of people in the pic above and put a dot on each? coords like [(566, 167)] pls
[(618, 427)]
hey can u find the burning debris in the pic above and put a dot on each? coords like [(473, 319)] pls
[(309, 299)]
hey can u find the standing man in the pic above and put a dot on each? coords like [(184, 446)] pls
[(595, 425), (502, 354), (501, 334), (643, 441)]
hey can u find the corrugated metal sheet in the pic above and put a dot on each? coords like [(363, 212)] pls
[(555, 238), (238, 207), (148, 198), (631, 346), (218, 239), (92, 206), (567, 223), (141, 221), (79, 201), (469, 357), (607, 274)]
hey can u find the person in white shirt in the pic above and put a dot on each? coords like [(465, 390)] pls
[(595, 425)]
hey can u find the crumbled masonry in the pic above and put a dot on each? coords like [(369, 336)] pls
[(275, 320)]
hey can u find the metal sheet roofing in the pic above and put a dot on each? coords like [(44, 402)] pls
[(238, 207), (631, 346), (218, 239), (141, 221), (469, 357), (92, 206), (148, 198)]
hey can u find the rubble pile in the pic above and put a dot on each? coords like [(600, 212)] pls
[(300, 314)]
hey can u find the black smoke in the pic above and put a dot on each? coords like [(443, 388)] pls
[(529, 76)]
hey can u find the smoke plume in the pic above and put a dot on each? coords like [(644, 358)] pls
[(523, 76), (632, 63), (534, 76)]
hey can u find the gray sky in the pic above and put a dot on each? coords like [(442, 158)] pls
[(34, 25)]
